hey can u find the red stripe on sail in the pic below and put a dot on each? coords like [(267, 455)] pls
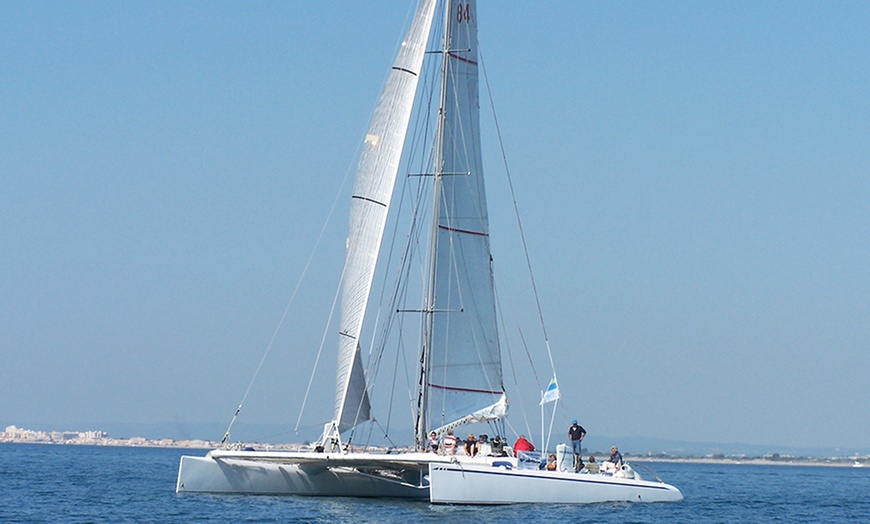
[(462, 59)]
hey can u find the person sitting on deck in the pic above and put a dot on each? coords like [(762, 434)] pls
[(471, 445), (615, 456), (612, 465), (432, 446), (591, 466), (497, 446), (483, 447), (551, 463), (450, 442), (522, 445)]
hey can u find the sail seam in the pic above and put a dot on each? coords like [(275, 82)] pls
[(468, 390), (402, 69), (373, 201), (457, 230)]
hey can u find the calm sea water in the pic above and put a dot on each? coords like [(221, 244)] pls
[(46, 483)]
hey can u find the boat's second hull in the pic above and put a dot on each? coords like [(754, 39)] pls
[(210, 475), (471, 484)]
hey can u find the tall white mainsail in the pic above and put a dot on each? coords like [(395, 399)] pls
[(463, 374), (373, 189)]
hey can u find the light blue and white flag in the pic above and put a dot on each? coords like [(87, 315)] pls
[(551, 393)]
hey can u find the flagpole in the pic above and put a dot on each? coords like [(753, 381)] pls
[(551, 394), (543, 443), (552, 421)]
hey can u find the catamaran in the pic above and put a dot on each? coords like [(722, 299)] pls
[(459, 376)]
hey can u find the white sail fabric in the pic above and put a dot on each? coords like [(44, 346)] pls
[(496, 411), (373, 189), (465, 374)]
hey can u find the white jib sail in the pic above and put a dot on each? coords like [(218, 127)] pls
[(373, 189), (465, 376)]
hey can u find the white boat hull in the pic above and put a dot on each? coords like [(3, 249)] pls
[(207, 475), (314, 474), (473, 484)]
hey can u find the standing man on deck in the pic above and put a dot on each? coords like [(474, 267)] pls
[(575, 435)]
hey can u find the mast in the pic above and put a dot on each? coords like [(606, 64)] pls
[(421, 430), (460, 375)]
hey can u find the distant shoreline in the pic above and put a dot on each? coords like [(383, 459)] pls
[(140, 442), (753, 461), (121, 443)]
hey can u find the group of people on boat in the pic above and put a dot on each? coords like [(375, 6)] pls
[(591, 466), (576, 434), (471, 446), (481, 445)]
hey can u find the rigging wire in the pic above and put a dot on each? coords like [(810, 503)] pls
[(308, 263), (319, 352), (517, 215), (511, 357), (226, 437), (527, 261)]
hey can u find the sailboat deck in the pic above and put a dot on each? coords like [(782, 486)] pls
[(366, 460)]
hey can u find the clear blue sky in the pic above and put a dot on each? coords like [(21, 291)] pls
[(694, 179)]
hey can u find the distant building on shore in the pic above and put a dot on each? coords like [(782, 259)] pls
[(94, 438), (16, 434)]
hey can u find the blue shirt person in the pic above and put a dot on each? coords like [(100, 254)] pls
[(575, 435), (615, 456)]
